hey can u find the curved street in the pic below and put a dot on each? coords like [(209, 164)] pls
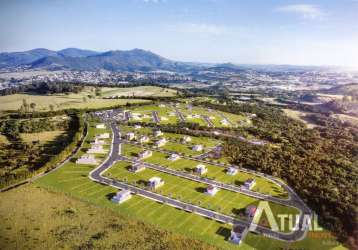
[(295, 201)]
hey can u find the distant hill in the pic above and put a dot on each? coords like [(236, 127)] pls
[(78, 59), (347, 89), (13, 59)]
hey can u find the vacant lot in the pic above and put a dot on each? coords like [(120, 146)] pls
[(60, 101), (139, 91), (42, 137), (48, 220)]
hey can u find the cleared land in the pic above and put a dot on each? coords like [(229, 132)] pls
[(61, 101), (299, 115), (73, 180), (139, 91), (42, 137), (48, 220)]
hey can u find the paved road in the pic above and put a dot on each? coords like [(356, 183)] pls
[(96, 175), (179, 114), (208, 121), (156, 118)]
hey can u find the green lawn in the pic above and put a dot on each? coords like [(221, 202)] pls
[(73, 180)]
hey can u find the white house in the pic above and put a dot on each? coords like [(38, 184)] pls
[(231, 171), (103, 136), (101, 126), (143, 139), (173, 157), (197, 148), (186, 138), (224, 122), (238, 234), (87, 159), (157, 133), (145, 154), (130, 136), (249, 183), (155, 182), (122, 196), (201, 169), (162, 105), (98, 141), (161, 142), (211, 190), (196, 116), (137, 167), (137, 126), (96, 149)]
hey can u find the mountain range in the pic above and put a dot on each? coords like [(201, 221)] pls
[(79, 59), (121, 60)]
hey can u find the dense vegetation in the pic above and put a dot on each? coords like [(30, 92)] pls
[(44, 88), (20, 160), (320, 164)]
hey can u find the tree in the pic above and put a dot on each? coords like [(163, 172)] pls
[(33, 106)]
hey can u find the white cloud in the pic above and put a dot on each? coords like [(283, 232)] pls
[(199, 28), (307, 11)]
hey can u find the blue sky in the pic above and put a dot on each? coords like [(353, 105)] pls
[(303, 32)]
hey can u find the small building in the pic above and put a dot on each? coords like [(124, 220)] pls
[(103, 136), (137, 167), (162, 105), (189, 117), (87, 159), (155, 182), (101, 126), (157, 133), (121, 196), (98, 141), (96, 149), (130, 136), (211, 190), (145, 154), (197, 148), (137, 126), (249, 183), (186, 139), (231, 171), (196, 116), (161, 142), (224, 122), (201, 169), (238, 234), (164, 118), (173, 157), (143, 139)]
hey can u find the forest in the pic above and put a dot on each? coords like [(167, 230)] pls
[(320, 163)]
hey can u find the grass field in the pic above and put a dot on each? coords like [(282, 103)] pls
[(42, 137), (73, 180), (299, 115), (48, 220), (62, 101), (139, 91)]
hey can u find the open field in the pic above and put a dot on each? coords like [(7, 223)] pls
[(299, 115), (42, 137), (48, 220), (13, 102), (224, 201), (139, 91), (73, 180)]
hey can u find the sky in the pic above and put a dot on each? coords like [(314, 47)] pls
[(321, 32)]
